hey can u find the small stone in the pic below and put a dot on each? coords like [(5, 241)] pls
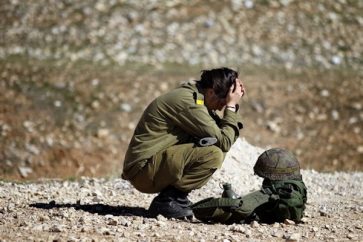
[(323, 211), (105, 231), (237, 228), (357, 106), (32, 148), (289, 222), (351, 236), (336, 60), (43, 218), (95, 104), (161, 223), (277, 234), (314, 229), (96, 199), (248, 4), (95, 82), (125, 107), (112, 221), (255, 224), (208, 23), (25, 171), (335, 115), (248, 233), (324, 93), (276, 225), (161, 218), (55, 228), (23, 224), (157, 235), (102, 133), (29, 126), (57, 103), (294, 237), (273, 126), (38, 228), (305, 220), (164, 86)]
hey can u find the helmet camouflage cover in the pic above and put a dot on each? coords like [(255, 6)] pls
[(277, 164)]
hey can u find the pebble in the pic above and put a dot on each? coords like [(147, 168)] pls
[(277, 234), (289, 222), (323, 211), (57, 103), (55, 228), (293, 237), (125, 107), (25, 171), (305, 220), (237, 228), (161, 218), (102, 133), (255, 224), (324, 93), (112, 221)]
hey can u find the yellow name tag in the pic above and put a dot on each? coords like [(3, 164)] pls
[(200, 101)]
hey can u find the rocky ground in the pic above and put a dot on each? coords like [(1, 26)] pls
[(93, 209), (75, 77)]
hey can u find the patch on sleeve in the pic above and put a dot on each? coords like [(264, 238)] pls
[(199, 102), (199, 98)]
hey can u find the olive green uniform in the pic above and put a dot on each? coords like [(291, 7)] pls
[(162, 150)]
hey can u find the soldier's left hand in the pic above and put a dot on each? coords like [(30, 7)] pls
[(240, 85)]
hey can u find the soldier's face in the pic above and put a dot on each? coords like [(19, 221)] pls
[(213, 102)]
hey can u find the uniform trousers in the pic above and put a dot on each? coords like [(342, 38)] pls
[(185, 166)]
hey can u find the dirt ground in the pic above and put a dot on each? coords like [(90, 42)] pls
[(76, 120)]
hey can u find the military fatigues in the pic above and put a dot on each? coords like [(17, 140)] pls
[(162, 150)]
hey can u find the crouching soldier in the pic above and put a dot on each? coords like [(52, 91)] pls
[(180, 141), (282, 196)]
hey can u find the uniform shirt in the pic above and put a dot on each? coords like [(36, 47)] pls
[(178, 117)]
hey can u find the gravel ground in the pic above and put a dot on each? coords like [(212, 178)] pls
[(289, 33), (93, 209)]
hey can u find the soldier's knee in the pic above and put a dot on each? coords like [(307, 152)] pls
[(217, 157)]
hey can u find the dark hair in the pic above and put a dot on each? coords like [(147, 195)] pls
[(220, 79)]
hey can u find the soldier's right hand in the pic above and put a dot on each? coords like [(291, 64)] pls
[(235, 93)]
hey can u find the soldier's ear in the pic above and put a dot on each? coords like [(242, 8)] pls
[(210, 92)]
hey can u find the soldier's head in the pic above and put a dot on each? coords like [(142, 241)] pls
[(277, 164), (215, 84)]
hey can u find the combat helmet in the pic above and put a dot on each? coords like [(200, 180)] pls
[(277, 164)]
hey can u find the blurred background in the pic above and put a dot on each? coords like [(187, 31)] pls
[(75, 76)]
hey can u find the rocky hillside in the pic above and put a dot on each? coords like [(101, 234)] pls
[(75, 77), (291, 33)]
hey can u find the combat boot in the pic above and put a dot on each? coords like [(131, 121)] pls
[(171, 203)]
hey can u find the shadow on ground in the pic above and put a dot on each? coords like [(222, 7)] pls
[(100, 209)]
